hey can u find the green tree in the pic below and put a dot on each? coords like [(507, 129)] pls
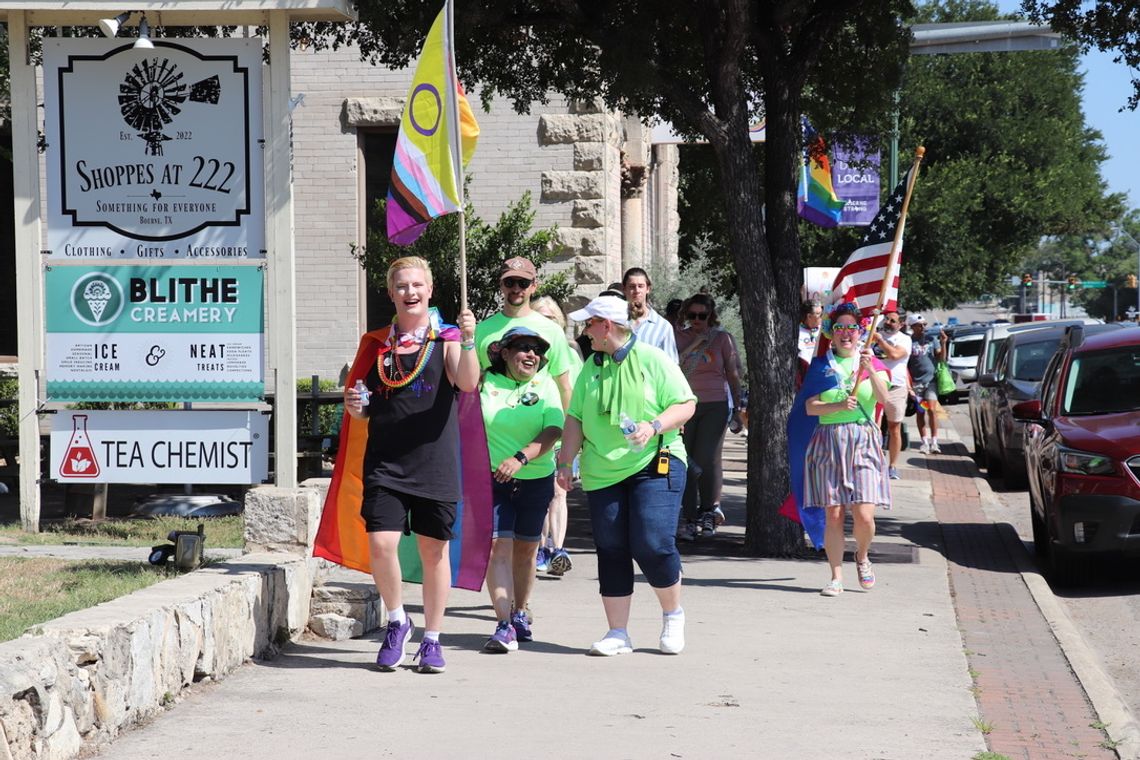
[(488, 246), (1108, 25), (709, 67)]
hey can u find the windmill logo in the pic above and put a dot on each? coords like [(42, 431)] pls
[(153, 94), (97, 299)]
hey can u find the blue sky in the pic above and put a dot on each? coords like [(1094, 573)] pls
[(1107, 87)]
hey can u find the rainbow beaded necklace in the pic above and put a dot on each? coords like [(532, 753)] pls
[(394, 378)]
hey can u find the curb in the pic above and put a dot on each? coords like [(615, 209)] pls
[(1120, 725)]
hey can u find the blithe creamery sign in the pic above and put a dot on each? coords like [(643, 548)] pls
[(155, 333), (154, 154)]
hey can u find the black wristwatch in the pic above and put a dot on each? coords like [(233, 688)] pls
[(522, 457), (656, 425)]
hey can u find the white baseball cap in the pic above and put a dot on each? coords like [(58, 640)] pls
[(915, 319), (612, 308)]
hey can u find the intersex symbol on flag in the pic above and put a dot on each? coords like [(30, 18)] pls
[(437, 137)]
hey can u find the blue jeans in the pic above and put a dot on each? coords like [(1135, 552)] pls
[(520, 506), (636, 519)]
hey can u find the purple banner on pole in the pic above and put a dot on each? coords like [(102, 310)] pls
[(855, 176)]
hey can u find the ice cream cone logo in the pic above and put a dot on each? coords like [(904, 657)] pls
[(97, 299)]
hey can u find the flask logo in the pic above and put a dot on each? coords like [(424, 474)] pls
[(97, 299), (79, 460)]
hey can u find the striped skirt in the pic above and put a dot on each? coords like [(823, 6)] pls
[(845, 465)]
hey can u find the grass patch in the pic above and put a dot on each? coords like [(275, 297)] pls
[(990, 756), (982, 724), (35, 590), (221, 532)]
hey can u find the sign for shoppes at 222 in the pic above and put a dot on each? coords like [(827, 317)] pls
[(154, 154), (155, 333)]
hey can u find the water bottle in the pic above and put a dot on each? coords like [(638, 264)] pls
[(363, 393), (628, 428)]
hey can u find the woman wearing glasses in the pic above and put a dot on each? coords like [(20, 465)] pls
[(522, 414), (710, 363), (844, 465), (624, 415)]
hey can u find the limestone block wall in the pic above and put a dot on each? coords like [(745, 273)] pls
[(75, 682), (590, 187)]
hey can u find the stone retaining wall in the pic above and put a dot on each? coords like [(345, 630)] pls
[(77, 681)]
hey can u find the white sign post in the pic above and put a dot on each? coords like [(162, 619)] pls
[(154, 154), (214, 447)]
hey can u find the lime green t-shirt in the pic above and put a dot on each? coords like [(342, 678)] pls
[(606, 455), (515, 413), (865, 395), (492, 328)]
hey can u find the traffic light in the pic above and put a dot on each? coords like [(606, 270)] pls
[(1130, 281), (1073, 282), (1027, 280)]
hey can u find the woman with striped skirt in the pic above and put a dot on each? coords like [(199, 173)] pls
[(845, 466)]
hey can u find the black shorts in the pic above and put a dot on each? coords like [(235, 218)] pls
[(387, 510)]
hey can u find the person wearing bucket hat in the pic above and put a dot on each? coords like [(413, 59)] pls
[(628, 405), (518, 280), (523, 417)]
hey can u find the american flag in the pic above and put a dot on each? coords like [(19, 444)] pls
[(861, 277)]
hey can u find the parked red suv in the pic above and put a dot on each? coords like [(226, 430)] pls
[(1082, 450)]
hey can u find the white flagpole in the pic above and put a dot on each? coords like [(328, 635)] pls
[(456, 149)]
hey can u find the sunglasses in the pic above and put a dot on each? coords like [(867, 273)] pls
[(701, 315), (845, 328), (517, 282), (532, 347), (891, 322)]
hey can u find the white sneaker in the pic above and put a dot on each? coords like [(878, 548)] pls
[(924, 448), (612, 643), (934, 448), (673, 633)]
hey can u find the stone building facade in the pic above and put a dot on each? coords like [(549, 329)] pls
[(590, 172)]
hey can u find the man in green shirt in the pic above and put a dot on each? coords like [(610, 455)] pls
[(518, 279)]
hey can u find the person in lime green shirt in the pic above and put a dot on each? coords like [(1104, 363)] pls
[(522, 416), (518, 279), (844, 464), (627, 407)]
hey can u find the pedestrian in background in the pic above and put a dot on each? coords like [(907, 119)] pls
[(711, 366), (522, 414), (844, 467), (649, 326), (552, 556), (893, 347), (925, 350), (624, 416)]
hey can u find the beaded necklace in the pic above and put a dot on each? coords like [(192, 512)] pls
[(391, 369)]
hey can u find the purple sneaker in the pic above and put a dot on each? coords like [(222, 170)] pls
[(430, 655), (542, 560), (521, 623), (396, 637), (503, 640)]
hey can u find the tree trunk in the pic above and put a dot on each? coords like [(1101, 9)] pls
[(768, 266)]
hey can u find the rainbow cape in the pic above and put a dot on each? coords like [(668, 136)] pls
[(427, 179), (815, 197), (341, 537), (801, 427)]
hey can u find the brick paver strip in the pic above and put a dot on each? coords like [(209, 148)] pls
[(1026, 689)]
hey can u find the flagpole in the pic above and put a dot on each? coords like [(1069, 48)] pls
[(456, 150), (893, 259)]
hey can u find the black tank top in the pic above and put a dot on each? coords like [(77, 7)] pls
[(413, 433)]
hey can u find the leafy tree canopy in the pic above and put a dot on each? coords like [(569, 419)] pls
[(1108, 25), (1008, 160)]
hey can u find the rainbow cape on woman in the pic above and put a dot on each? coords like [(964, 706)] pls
[(341, 537), (801, 427)]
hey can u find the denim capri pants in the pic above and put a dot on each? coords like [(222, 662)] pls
[(520, 507), (636, 519)]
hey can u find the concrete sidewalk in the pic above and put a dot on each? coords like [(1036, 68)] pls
[(771, 669)]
